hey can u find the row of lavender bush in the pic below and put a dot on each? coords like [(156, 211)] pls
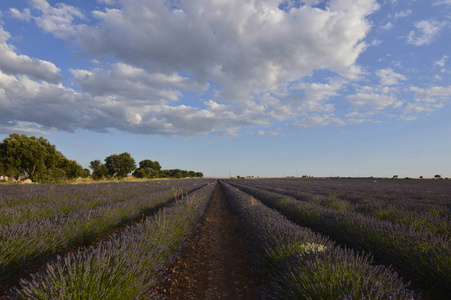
[(27, 203), (419, 255), (126, 266), (301, 264), (417, 203), (25, 245)]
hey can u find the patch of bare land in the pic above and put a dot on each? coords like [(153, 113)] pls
[(213, 266)]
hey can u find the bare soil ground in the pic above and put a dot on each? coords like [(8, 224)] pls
[(213, 265)]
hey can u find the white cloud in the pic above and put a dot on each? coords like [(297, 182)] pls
[(265, 132), (432, 94), (389, 77), (403, 14), (429, 30), (24, 127), (14, 64), (259, 133), (442, 2), (248, 48), (58, 19), (134, 83), (322, 120), (315, 94), (373, 101), (25, 15), (109, 2), (376, 42), (248, 52), (387, 26), (50, 106), (427, 100), (442, 61)]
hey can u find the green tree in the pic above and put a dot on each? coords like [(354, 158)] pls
[(119, 165), (72, 169), (147, 163), (175, 173), (99, 170), (35, 157), (146, 173), (164, 174), (86, 173), (148, 169), (95, 164)]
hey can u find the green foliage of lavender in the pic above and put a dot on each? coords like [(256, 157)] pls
[(302, 264), (25, 245), (126, 266), (419, 255), (27, 203), (422, 204)]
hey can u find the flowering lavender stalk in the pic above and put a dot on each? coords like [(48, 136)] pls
[(419, 255), (128, 265), (422, 204), (302, 264), (26, 245)]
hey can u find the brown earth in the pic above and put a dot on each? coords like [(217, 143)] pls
[(213, 266)]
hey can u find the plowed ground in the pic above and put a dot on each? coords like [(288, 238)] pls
[(213, 264)]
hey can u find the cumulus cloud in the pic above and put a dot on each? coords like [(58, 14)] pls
[(134, 83), (248, 48), (442, 2), (319, 120), (426, 32), (403, 14), (442, 61), (265, 132), (124, 97), (373, 101), (315, 95), (50, 106), (24, 127), (58, 19), (432, 94), (426, 100), (387, 26), (389, 77), (251, 56), (24, 15), (197, 67), (16, 64)]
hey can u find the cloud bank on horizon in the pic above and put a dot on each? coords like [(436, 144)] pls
[(197, 67)]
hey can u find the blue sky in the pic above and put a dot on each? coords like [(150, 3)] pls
[(262, 87)]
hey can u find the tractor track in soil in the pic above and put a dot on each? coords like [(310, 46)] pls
[(213, 264)]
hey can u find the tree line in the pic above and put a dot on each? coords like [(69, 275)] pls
[(37, 159), (120, 165)]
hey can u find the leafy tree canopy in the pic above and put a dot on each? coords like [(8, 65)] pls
[(36, 158), (147, 163), (120, 165)]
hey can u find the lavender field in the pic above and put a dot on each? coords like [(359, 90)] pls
[(77, 235), (404, 224), (305, 238)]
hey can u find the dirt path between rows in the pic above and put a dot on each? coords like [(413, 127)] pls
[(213, 266)]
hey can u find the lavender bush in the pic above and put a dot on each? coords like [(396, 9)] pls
[(419, 255), (126, 266), (26, 245), (422, 204), (301, 264)]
